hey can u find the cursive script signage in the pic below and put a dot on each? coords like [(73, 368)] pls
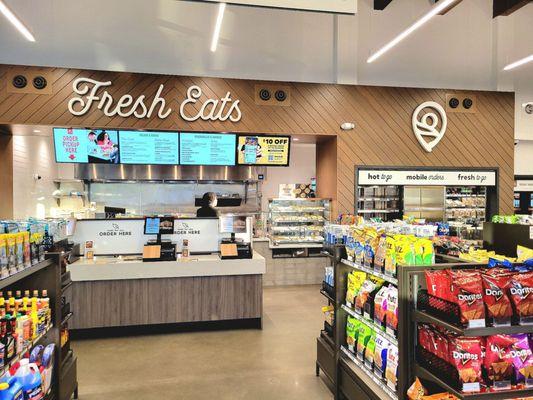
[(91, 93), (427, 125)]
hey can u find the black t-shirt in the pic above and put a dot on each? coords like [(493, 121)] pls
[(206, 212)]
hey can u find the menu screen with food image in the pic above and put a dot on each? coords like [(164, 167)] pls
[(86, 146), (264, 150), (207, 149), (157, 148)]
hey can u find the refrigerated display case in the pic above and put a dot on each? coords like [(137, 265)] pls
[(298, 222)]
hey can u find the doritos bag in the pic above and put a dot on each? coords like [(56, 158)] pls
[(468, 360), (468, 290), (495, 289), (521, 287)]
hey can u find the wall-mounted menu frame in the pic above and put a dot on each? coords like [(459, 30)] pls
[(205, 148), (149, 147), (264, 150)]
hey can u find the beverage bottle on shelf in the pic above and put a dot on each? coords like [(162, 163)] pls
[(11, 309), (26, 298), (18, 300), (8, 340), (46, 307), (34, 319), (3, 332), (2, 306), (19, 330)]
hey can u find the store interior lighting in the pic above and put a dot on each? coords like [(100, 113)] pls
[(519, 63), (17, 23), (218, 25)]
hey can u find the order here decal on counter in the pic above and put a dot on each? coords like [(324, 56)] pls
[(426, 177)]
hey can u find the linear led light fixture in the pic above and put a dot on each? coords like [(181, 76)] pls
[(518, 63), (218, 25), (438, 8), (16, 22)]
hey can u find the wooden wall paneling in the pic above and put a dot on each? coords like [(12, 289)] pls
[(326, 171), (382, 136), (6, 176)]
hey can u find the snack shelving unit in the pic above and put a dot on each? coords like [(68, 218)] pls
[(297, 224), (428, 369)]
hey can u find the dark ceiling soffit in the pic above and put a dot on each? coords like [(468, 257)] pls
[(381, 4), (276, 8), (507, 7)]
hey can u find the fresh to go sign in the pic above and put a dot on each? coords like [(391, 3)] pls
[(91, 93)]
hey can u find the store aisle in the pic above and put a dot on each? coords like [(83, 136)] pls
[(275, 363)]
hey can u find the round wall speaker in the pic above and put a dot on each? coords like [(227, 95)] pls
[(280, 95), (39, 82), (454, 102), (20, 81), (467, 103), (264, 94)]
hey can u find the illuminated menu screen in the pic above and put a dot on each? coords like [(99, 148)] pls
[(207, 149), (157, 148)]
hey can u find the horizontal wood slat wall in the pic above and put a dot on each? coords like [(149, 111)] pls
[(382, 115)]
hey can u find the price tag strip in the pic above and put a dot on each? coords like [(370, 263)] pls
[(370, 271), (382, 384), (386, 334)]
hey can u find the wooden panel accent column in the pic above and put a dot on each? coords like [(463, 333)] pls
[(326, 171), (6, 176)]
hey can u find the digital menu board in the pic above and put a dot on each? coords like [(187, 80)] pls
[(86, 146), (157, 148), (264, 150), (207, 149)]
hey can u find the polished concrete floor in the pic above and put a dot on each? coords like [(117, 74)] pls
[(277, 362)]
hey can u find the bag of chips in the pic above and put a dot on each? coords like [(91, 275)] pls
[(522, 358), (392, 308), (380, 355), (391, 371), (355, 280), (362, 339), (495, 289), (380, 306), (468, 290), (523, 253), (498, 361), (379, 259), (521, 286), (369, 351), (369, 285), (352, 329), (390, 256), (467, 358), (416, 391), (4, 265)]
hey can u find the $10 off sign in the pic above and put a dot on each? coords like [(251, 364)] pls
[(427, 125)]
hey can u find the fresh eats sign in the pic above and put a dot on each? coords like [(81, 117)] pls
[(89, 93)]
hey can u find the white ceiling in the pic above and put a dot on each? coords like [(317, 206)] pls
[(466, 48)]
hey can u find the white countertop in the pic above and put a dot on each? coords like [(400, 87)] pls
[(113, 268)]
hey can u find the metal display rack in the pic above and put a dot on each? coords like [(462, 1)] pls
[(415, 287)]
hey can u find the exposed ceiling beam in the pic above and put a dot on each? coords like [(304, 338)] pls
[(381, 4), (507, 7)]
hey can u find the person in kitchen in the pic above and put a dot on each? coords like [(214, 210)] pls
[(208, 210)]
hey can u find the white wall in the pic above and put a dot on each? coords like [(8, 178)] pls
[(33, 155), (302, 169)]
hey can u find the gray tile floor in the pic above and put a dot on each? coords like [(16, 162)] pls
[(275, 363)]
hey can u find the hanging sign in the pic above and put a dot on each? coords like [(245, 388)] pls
[(90, 93), (427, 125), (426, 177)]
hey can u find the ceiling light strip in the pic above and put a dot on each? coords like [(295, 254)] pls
[(436, 9), (218, 25), (16, 22), (518, 63)]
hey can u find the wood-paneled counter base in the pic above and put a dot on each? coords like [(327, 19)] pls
[(167, 300)]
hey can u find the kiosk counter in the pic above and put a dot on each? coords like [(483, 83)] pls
[(116, 288)]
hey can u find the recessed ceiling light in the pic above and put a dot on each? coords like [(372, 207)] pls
[(17, 23), (218, 25), (518, 63), (436, 9), (295, 139), (36, 131)]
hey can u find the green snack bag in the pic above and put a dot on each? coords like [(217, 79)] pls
[(351, 336), (362, 340), (369, 352)]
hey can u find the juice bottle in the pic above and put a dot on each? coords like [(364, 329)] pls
[(45, 300), (18, 300), (8, 339)]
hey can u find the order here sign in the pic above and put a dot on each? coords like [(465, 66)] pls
[(331, 6), (426, 177)]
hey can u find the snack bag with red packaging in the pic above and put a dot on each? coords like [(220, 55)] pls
[(424, 340), (468, 290), (498, 360), (495, 289), (520, 290), (522, 358), (439, 285), (467, 358)]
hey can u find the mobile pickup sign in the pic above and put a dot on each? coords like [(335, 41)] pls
[(426, 177)]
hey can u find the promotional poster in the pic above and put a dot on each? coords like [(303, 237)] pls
[(86, 146)]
